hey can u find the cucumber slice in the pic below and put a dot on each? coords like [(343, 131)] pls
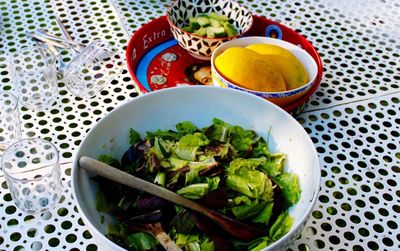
[(213, 32), (230, 29), (203, 21), (215, 23), (211, 25), (201, 32)]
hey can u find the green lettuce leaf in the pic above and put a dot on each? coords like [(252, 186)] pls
[(264, 215), (252, 183), (260, 149), (195, 167), (194, 242), (164, 134), (109, 160), (259, 244), (101, 202), (141, 241), (244, 211), (183, 222), (188, 145), (274, 165), (134, 137), (164, 147), (221, 150), (242, 139), (177, 163), (198, 190), (186, 127), (160, 178), (241, 200), (289, 184), (217, 132), (251, 164), (194, 191), (281, 226)]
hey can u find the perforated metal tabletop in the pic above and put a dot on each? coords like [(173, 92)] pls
[(353, 118)]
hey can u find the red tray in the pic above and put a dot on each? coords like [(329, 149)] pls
[(156, 61)]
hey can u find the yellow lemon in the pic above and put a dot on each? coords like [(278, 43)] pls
[(269, 49), (292, 71), (248, 69)]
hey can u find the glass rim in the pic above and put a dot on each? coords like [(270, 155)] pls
[(15, 98), (51, 60), (10, 175)]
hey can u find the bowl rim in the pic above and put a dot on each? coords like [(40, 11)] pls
[(302, 221), (172, 24), (261, 93)]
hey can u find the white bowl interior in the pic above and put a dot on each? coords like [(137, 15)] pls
[(199, 104), (305, 58)]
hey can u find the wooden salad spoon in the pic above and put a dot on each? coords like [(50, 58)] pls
[(235, 228)]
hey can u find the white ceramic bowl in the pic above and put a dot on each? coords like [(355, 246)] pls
[(199, 104), (279, 98)]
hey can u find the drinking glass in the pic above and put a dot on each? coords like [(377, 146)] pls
[(92, 69), (32, 171), (10, 130), (34, 72)]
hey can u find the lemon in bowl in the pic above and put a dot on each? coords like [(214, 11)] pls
[(270, 68)]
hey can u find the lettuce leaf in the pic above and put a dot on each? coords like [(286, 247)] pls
[(244, 211), (217, 132), (242, 139), (289, 184), (281, 226), (194, 242), (260, 149), (274, 165), (134, 136), (264, 215), (198, 190), (185, 127), (141, 241), (259, 244), (242, 177), (188, 145), (194, 191)]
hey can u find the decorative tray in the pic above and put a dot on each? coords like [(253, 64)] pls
[(156, 61)]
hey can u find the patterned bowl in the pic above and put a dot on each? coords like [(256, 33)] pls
[(180, 11), (279, 98)]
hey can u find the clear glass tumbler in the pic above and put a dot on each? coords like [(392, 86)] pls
[(10, 130), (32, 171), (34, 71), (92, 69)]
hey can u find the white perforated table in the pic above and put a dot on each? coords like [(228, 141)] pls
[(353, 118)]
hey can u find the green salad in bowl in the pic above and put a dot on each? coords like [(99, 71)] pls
[(221, 166), (231, 152)]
